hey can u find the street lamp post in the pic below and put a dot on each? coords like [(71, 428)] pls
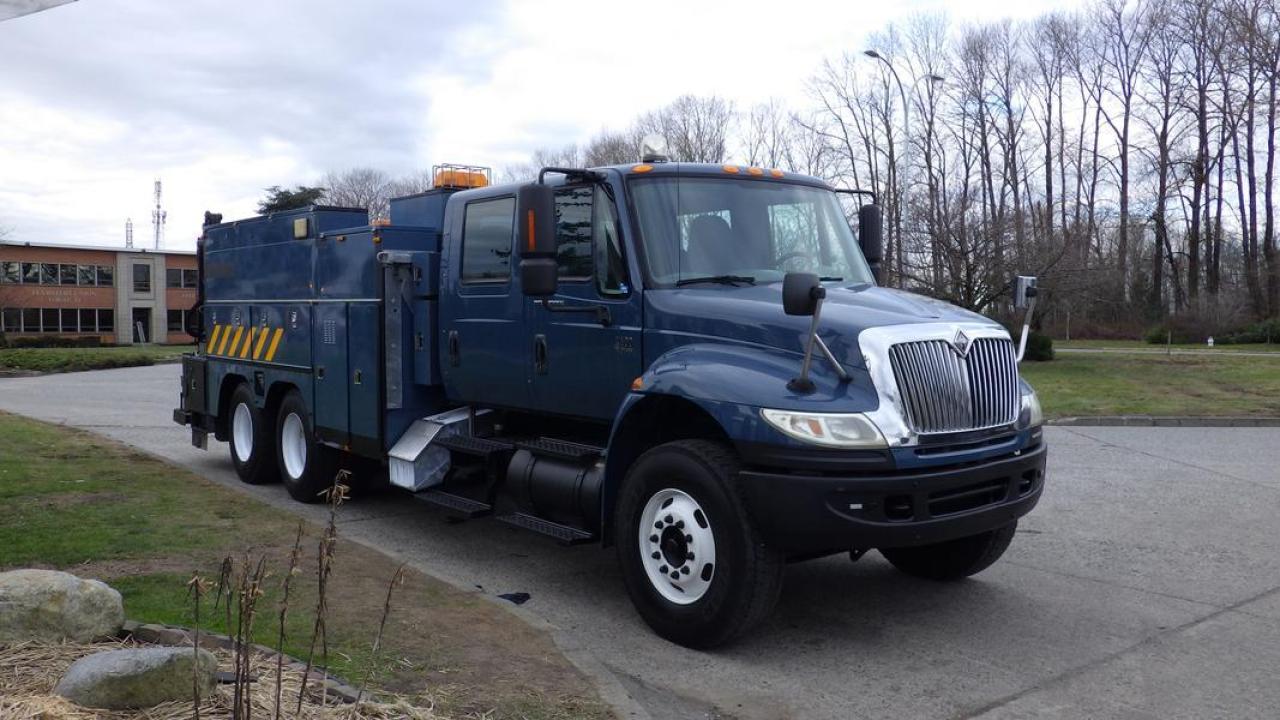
[(906, 132)]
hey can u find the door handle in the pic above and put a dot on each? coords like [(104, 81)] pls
[(540, 354), (454, 351)]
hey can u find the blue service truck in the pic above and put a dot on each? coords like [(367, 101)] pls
[(693, 364)]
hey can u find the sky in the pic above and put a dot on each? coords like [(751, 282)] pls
[(222, 98)]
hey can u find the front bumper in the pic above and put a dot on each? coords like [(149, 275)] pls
[(818, 512)]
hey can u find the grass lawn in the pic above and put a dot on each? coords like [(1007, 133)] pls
[(77, 502), (76, 359), (1135, 384), (1140, 345)]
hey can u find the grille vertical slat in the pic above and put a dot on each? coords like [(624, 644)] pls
[(943, 392)]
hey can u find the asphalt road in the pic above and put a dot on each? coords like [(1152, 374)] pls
[(1146, 584)]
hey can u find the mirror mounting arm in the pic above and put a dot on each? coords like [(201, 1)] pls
[(802, 384)]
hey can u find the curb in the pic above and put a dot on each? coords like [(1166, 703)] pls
[(1165, 421), (171, 636)]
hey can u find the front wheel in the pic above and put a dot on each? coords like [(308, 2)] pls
[(954, 559), (693, 565), (305, 465)]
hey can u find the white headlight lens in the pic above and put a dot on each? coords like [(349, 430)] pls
[(835, 430), (1031, 414)]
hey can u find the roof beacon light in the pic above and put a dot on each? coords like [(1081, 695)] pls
[(653, 149)]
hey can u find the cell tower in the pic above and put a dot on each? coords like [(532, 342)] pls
[(128, 233), (157, 219)]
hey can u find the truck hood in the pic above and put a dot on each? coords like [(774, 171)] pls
[(753, 315)]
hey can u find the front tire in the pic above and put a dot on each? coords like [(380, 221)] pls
[(693, 565), (304, 464), (954, 559), (251, 439)]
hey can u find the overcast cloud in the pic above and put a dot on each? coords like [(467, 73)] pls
[(221, 98)]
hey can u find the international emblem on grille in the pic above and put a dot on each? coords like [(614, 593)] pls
[(960, 343)]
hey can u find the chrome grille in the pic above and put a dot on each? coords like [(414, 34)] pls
[(943, 392)]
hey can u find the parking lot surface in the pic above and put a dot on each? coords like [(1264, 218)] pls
[(1146, 584)]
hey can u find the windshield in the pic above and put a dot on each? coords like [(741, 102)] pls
[(713, 231)]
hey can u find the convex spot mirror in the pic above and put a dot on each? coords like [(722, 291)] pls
[(800, 293), (536, 239)]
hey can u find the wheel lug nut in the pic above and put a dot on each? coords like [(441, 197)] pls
[(656, 555), (679, 524), (653, 538), (662, 569), (688, 556), (658, 525), (667, 519), (675, 576), (685, 569), (688, 538)]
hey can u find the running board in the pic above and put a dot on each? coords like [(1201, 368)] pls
[(456, 505), (562, 534)]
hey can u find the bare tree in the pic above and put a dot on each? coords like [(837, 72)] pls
[(361, 187), (696, 128)]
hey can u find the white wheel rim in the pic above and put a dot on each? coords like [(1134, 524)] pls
[(242, 432), (677, 548), (293, 445)]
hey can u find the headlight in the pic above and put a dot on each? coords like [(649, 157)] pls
[(1031, 415), (835, 430)]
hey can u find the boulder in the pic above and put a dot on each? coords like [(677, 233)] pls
[(48, 605), (137, 677)]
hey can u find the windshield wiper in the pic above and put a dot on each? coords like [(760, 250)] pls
[(721, 279), (826, 278)]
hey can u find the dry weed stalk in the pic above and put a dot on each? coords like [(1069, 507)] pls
[(196, 588), (295, 557), (335, 495), (396, 580), (248, 593)]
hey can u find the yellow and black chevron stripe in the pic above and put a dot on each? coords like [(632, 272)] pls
[(244, 342)]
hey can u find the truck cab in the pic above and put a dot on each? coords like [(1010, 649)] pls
[(692, 364)]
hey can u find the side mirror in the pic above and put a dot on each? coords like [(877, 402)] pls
[(536, 237), (1024, 289), (800, 293), (871, 236)]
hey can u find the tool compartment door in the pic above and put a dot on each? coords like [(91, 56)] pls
[(329, 348)]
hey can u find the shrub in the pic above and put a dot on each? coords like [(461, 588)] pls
[(1039, 345), (1265, 331), (54, 341)]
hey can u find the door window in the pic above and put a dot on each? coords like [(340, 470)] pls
[(611, 265), (573, 232), (487, 240)]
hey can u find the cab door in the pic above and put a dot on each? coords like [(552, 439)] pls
[(483, 352), (586, 351)]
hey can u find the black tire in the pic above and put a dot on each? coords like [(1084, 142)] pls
[(259, 465), (310, 471), (954, 559), (747, 576)]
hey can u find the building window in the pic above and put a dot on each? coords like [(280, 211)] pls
[(12, 320), (49, 320), (31, 320), (173, 277), (10, 272), (190, 278), (48, 273), (106, 276), (70, 321), (177, 321), (67, 274), (31, 273), (88, 320), (141, 278), (106, 320), (86, 274)]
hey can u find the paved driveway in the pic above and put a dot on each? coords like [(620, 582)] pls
[(1147, 584)]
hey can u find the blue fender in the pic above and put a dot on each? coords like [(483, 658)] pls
[(730, 384)]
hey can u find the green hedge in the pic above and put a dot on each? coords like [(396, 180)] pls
[(50, 341)]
